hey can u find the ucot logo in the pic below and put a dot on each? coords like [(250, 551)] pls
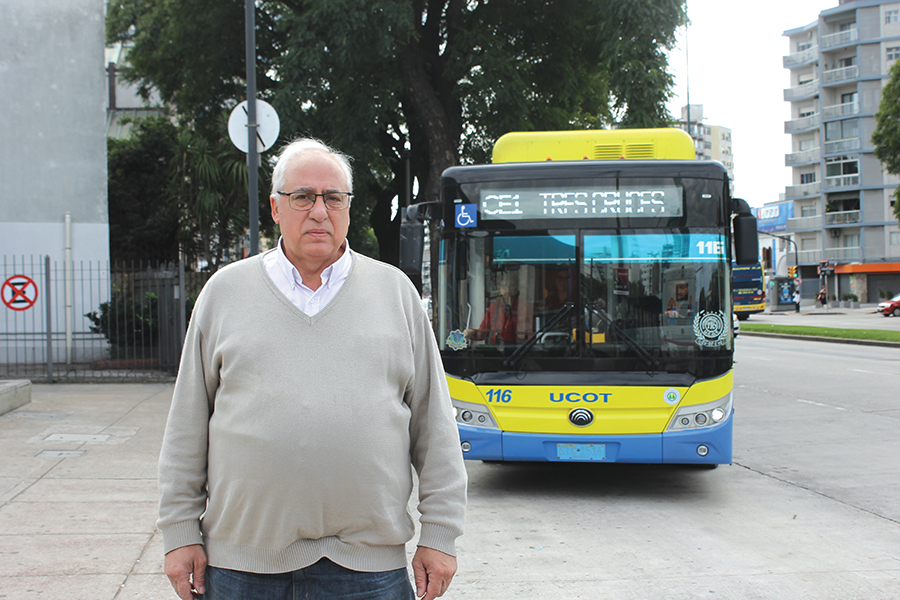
[(576, 397)]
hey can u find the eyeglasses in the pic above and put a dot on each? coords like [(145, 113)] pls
[(306, 200)]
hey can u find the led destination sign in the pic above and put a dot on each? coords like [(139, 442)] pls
[(582, 203)]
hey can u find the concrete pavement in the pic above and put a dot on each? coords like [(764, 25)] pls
[(78, 493)]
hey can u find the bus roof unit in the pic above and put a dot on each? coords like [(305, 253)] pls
[(594, 144)]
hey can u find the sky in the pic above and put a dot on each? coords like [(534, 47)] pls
[(735, 70)]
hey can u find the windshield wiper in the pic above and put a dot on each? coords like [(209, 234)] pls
[(528, 344), (648, 359)]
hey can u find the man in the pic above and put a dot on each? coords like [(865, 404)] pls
[(310, 381), (501, 317)]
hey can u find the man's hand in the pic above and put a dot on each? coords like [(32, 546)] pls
[(433, 571), (186, 570)]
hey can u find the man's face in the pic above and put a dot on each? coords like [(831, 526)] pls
[(312, 238)]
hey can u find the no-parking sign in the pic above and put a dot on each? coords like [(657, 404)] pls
[(19, 292)]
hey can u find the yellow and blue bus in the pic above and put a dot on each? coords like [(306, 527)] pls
[(748, 290), (583, 307)]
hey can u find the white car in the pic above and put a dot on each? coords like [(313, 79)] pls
[(736, 323)]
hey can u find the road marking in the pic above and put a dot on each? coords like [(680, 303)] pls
[(872, 372), (820, 404)]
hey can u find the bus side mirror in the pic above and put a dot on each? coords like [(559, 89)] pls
[(412, 246), (746, 237), (412, 237)]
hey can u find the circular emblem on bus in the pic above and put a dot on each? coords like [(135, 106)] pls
[(581, 417), (672, 396), (709, 328)]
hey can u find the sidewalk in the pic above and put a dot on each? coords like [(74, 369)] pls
[(812, 314), (78, 494)]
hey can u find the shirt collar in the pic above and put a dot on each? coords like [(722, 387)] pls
[(333, 273)]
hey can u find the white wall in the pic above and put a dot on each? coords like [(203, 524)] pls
[(53, 127)]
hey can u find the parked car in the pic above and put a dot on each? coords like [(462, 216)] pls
[(736, 324), (890, 307)]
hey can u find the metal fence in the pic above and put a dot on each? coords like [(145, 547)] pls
[(93, 321)]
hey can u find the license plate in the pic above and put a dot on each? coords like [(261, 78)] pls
[(581, 451)]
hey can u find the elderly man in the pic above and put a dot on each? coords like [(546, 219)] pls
[(310, 383)]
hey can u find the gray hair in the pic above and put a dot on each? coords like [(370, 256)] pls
[(304, 146)]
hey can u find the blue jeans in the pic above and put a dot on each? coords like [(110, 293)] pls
[(323, 580)]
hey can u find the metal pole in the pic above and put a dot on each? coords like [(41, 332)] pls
[(796, 252), (70, 290), (252, 150), (49, 323)]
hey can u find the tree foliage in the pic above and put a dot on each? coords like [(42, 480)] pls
[(143, 222), (886, 137), (410, 87), (177, 186)]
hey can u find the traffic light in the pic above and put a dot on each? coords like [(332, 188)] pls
[(792, 271)]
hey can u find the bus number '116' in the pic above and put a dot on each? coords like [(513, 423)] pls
[(499, 395)]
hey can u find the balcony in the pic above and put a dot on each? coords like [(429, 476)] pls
[(806, 189), (842, 145), (797, 158), (804, 223), (802, 123), (839, 75), (839, 38), (842, 181), (808, 256), (807, 89), (848, 253), (799, 58), (845, 217), (840, 110)]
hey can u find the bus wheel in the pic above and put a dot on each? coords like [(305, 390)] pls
[(742, 316)]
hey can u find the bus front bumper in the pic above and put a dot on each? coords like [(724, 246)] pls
[(711, 445)]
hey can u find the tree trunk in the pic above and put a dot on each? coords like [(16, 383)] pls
[(432, 117)]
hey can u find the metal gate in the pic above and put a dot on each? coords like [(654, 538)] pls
[(92, 321)]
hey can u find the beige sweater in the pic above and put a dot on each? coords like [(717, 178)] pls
[(291, 437)]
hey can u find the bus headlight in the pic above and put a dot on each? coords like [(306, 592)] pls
[(701, 415), (474, 415)]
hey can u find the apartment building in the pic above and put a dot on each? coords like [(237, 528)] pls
[(841, 196), (711, 142)]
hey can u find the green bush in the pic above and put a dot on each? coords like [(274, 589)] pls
[(127, 322), (849, 297)]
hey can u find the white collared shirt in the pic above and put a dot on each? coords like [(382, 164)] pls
[(287, 279)]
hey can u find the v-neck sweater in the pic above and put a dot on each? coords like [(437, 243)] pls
[(291, 437)]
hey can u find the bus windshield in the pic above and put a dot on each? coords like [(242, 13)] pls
[(608, 300)]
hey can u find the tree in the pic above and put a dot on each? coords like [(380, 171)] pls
[(208, 181), (143, 221), (886, 137), (411, 87)]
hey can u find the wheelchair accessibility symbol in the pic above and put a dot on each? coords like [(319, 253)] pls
[(466, 215)]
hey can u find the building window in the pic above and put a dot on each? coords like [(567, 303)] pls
[(891, 16), (841, 165), (850, 98), (851, 241), (895, 238), (801, 46), (842, 130), (807, 178), (808, 244), (893, 53), (809, 210)]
